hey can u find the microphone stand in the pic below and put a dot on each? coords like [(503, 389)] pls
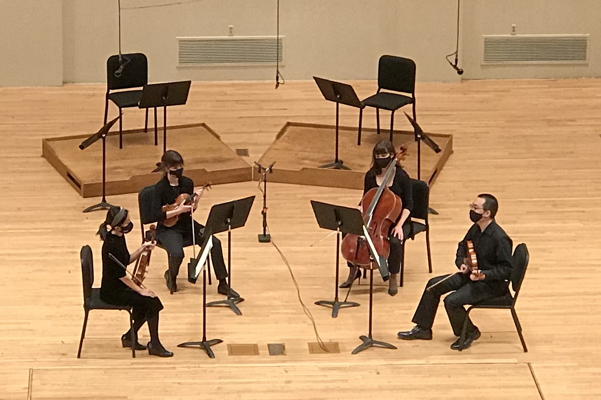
[(264, 237)]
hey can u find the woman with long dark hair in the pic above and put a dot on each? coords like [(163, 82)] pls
[(382, 154), (119, 289)]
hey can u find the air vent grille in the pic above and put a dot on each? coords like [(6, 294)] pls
[(230, 50), (535, 49)]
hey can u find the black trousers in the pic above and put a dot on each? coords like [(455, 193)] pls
[(465, 291), (395, 258), (174, 240)]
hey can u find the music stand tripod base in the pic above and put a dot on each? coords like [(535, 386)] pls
[(229, 302), (336, 305), (335, 165), (206, 346), (103, 205), (370, 342)]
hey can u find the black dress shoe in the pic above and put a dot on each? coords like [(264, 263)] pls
[(158, 350), (347, 284), (471, 337), (126, 342), (222, 289), (416, 333), (170, 282)]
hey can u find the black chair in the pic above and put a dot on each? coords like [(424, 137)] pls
[(421, 201), (126, 71), (507, 302), (395, 74), (91, 298), (147, 201)]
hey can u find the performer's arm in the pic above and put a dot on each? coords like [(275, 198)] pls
[(503, 262)]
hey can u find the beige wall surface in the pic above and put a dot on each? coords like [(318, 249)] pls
[(51, 41), (31, 43)]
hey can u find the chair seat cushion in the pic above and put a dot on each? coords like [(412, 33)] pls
[(125, 99), (96, 303), (417, 227), (387, 101), (503, 301)]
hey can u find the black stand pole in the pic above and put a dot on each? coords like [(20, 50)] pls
[(204, 343), (101, 134), (230, 301), (337, 164), (264, 237), (164, 125), (368, 340), (336, 304)]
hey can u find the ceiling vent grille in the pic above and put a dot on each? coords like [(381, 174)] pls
[(229, 50), (535, 49)]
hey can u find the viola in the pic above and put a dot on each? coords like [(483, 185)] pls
[(143, 261), (471, 261), (383, 211), (183, 198)]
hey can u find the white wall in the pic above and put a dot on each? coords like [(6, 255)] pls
[(494, 17), (51, 41), (31, 43)]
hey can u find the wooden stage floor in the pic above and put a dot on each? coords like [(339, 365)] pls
[(533, 143)]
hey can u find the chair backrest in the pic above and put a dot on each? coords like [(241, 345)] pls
[(129, 72), (396, 73), (87, 271), (146, 203), (421, 199), (521, 257)]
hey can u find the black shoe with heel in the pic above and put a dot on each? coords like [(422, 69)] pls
[(170, 282), (349, 282), (126, 342), (158, 350)]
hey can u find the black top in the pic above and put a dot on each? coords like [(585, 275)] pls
[(112, 286), (168, 194), (493, 251), (401, 186)]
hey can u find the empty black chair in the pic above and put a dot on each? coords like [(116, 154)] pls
[(91, 297), (126, 71), (507, 302), (395, 75), (421, 202)]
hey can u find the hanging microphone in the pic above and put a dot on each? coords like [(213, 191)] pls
[(456, 68), (277, 80)]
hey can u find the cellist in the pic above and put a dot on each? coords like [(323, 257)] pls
[(382, 154), (175, 238)]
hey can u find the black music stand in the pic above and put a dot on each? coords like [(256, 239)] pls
[(201, 259), (101, 134), (264, 237), (339, 93), (342, 220), (419, 136), (164, 95), (226, 217)]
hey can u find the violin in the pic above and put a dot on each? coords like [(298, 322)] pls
[(183, 198), (383, 211), (471, 261), (143, 261)]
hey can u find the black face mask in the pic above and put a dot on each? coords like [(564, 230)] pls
[(127, 228), (177, 173), (474, 216), (382, 162)]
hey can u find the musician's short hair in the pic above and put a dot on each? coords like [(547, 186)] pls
[(490, 203)]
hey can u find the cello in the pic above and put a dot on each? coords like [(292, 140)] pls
[(383, 211)]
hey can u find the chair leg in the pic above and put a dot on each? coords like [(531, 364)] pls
[(464, 329), (402, 272), (133, 335), (428, 248), (518, 327), (120, 130), (156, 129), (106, 109), (146, 122), (391, 125), (83, 332), (360, 123), (413, 109), (378, 119)]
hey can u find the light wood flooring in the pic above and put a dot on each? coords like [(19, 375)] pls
[(534, 144)]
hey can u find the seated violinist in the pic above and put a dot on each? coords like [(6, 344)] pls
[(493, 253), (400, 184), (119, 289), (175, 238)]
